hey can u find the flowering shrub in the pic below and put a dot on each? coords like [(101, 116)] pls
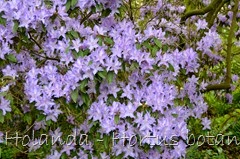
[(110, 70)]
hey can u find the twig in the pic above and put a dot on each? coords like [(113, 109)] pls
[(31, 38), (86, 17), (213, 16), (46, 57), (131, 11)]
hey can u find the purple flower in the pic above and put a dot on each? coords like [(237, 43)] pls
[(201, 24), (107, 124), (179, 150), (104, 156), (53, 113), (92, 43), (8, 71), (76, 44), (1, 137), (145, 123), (113, 64), (235, 78), (67, 148), (33, 145), (40, 125), (70, 119), (5, 105), (128, 110), (229, 97), (206, 123), (55, 154)]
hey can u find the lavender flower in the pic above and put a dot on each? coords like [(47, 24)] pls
[(206, 123), (5, 105)]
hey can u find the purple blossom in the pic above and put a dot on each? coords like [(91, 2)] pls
[(40, 125), (8, 71), (5, 105), (206, 123), (201, 24), (55, 154), (229, 97), (76, 44), (67, 149), (1, 137), (33, 145), (128, 111)]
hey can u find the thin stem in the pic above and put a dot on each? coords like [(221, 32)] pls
[(86, 17), (31, 38)]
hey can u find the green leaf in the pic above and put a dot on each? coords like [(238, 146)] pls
[(27, 118), (11, 58), (100, 41), (106, 12), (3, 94), (108, 41), (15, 26), (116, 119), (154, 51), (73, 3), (134, 66), (67, 49), (75, 54), (83, 85), (165, 48), (1, 118), (102, 74), (147, 45), (41, 117), (157, 42), (68, 5), (110, 76), (159, 149), (74, 95), (49, 122), (105, 142), (74, 34), (175, 115), (90, 63), (83, 53), (2, 20), (86, 99), (19, 46), (171, 68), (138, 46)]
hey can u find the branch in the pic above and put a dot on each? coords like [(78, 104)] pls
[(45, 57), (39, 46), (131, 14), (203, 11), (226, 84), (213, 14), (217, 87), (86, 17), (31, 38), (230, 41)]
